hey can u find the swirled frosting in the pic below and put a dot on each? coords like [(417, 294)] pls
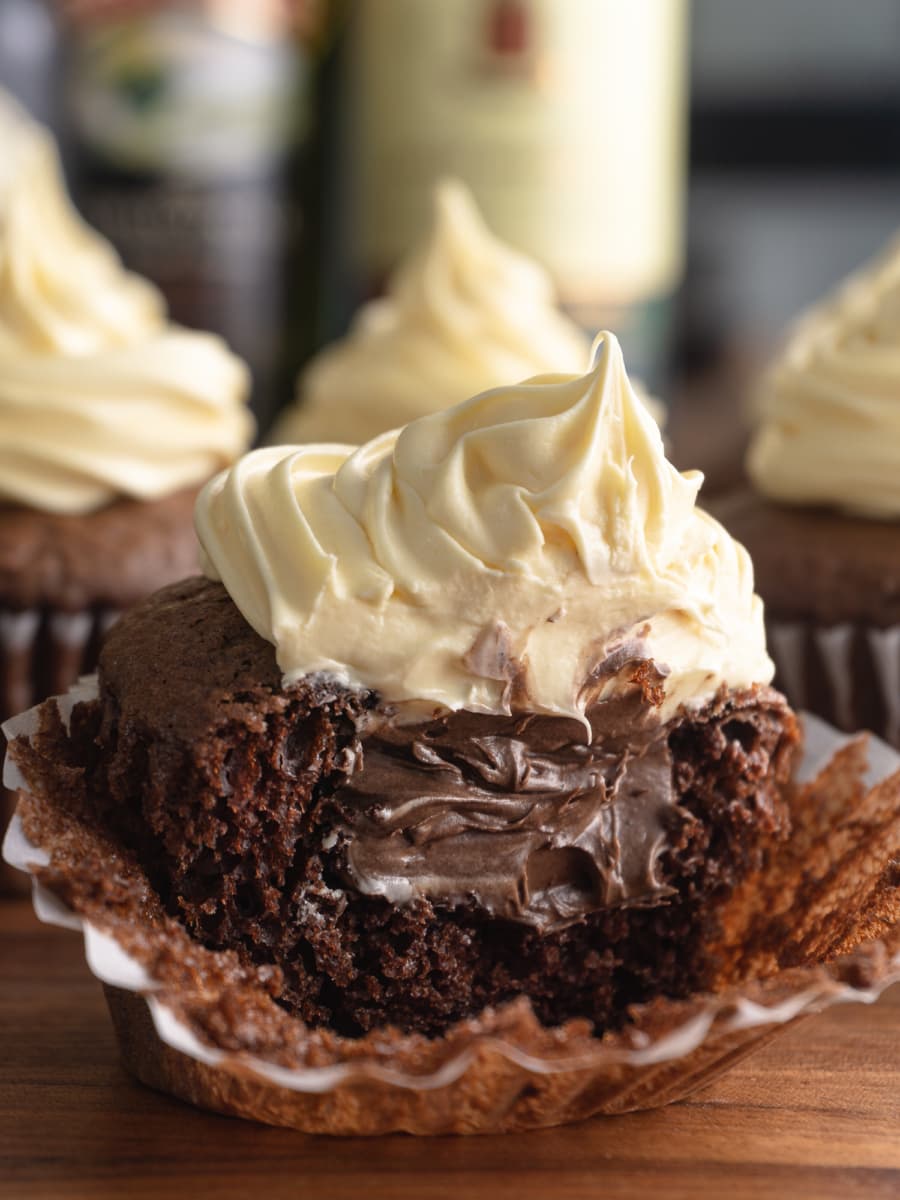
[(829, 408), (99, 395), (489, 556), (464, 313)]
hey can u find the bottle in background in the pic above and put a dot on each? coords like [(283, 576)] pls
[(567, 118), (29, 56), (191, 127)]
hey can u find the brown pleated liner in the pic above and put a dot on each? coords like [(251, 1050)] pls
[(42, 653), (846, 673), (506, 1079), (819, 925)]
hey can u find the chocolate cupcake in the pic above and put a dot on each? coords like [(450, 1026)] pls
[(463, 313), (823, 523), (110, 420), (455, 795)]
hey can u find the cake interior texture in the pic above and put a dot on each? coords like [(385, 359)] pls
[(411, 874)]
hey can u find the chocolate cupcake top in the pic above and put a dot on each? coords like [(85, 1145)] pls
[(464, 313), (100, 395), (829, 432), (493, 557)]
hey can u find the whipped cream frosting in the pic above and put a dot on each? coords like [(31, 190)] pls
[(489, 556), (464, 313), (100, 396), (829, 408)]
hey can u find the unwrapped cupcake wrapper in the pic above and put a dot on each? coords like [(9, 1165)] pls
[(42, 653), (849, 674), (203, 1026)]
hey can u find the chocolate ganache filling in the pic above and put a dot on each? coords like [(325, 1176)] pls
[(522, 814)]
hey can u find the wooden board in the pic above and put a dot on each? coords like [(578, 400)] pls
[(814, 1114)]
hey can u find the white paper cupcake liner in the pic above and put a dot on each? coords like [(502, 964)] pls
[(504, 1071)]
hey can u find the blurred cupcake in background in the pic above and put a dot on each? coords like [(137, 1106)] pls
[(823, 521), (462, 314), (110, 420)]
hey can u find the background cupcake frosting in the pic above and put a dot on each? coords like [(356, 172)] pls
[(100, 395), (463, 313), (829, 411)]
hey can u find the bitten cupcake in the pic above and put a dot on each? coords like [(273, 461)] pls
[(110, 420), (454, 796), (823, 525), (463, 314)]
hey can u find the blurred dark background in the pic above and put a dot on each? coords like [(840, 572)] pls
[(794, 162), (790, 168)]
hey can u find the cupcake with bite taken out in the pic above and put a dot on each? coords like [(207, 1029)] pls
[(454, 796), (475, 712)]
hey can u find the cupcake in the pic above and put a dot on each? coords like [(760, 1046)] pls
[(455, 795), (463, 314), (478, 710), (110, 420), (823, 519)]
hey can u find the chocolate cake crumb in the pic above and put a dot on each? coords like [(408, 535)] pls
[(228, 789)]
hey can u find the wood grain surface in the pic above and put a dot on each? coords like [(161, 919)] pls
[(814, 1114)]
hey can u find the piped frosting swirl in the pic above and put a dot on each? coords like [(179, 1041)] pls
[(99, 395), (464, 313), (829, 408), (489, 556)]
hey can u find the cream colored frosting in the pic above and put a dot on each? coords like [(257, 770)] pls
[(829, 408), (463, 314), (533, 527), (99, 395)]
